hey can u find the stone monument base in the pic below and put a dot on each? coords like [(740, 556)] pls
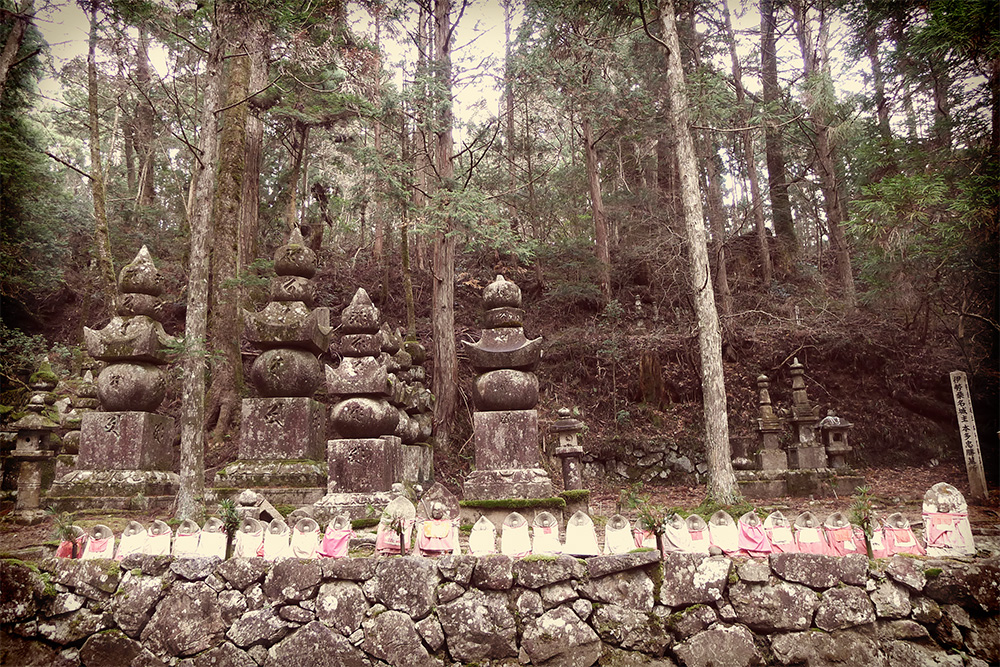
[(114, 489), (253, 474), (126, 441), (355, 505), (418, 464), (807, 457), (772, 459), (508, 483), (818, 483), (506, 439), (282, 429), (497, 510), (364, 465)]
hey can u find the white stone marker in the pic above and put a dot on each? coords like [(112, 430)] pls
[(581, 540), (618, 536), (970, 438)]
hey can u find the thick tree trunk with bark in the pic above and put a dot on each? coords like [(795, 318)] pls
[(224, 324), (445, 379), (717, 224), (102, 239), (781, 206), (13, 44), (190, 496), (142, 136), (601, 250), (722, 482), (258, 48)]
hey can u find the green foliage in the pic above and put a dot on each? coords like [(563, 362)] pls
[(19, 352)]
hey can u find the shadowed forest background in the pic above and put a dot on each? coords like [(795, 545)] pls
[(847, 153)]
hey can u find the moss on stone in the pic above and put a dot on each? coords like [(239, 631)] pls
[(933, 572), (575, 495), (514, 503)]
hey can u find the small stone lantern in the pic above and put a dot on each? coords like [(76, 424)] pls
[(32, 448), (833, 431), (569, 449)]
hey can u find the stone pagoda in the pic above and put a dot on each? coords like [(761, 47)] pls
[(127, 450), (409, 400), (806, 451), (33, 452), (365, 459), (505, 423), (283, 432)]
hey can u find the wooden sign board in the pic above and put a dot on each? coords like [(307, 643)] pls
[(970, 438)]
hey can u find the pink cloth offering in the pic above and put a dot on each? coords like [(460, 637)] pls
[(781, 540), (945, 530), (842, 541), (752, 538), (335, 543), (644, 539), (436, 536), (811, 541), (65, 548), (700, 541), (901, 541), (387, 540), (880, 543), (99, 548)]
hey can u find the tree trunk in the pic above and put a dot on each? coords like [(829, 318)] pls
[(13, 44), (749, 156), (445, 379), (142, 136), (297, 154), (816, 66), (781, 206), (258, 47), (102, 239), (717, 224), (190, 496), (224, 323), (722, 482), (601, 250), (881, 103)]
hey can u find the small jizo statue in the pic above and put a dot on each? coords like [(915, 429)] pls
[(437, 534)]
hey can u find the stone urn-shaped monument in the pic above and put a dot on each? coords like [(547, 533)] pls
[(127, 450), (365, 458), (283, 432), (505, 423)]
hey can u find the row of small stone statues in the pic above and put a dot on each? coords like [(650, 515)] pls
[(945, 516)]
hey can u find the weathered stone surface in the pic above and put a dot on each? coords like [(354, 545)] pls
[(315, 645), (632, 589), (28, 653), (754, 571), (693, 579), (983, 638), (538, 571), (909, 654), (283, 428), (293, 613), (18, 584), (478, 626), (554, 595), (925, 610), (133, 609), (351, 569), (342, 606), (813, 570), (195, 569), (721, 646), (583, 608), (391, 636), (854, 569), (187, 621), (908, 571), (599, 566), (505, 389), (558, 638), (494, 572), (259, 627), (152, 566), (405, 584), (691, 621), (891, 600), (457, 568), (62, 603), (363, 417), (114, 649), (292, 580), (432, 633), (255, 597), (977, 582), (529, 603), (777, 605), (631, 629), (286, 371), (947, 633), (243, 572), (223, 655), (901, 629), (90, 578), (448, 591), (845, 647), (73, 627), (843, 608), (232, 605), (616, 657)]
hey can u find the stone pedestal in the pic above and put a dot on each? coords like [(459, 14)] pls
[(772, 459), (361, 475), (114, 489), (418, 464), (572, 467), (284, 428), (804, 457), (29, 487), (506, 439), (126, 441)]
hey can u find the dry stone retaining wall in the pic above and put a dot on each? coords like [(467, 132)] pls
[(793, 609)]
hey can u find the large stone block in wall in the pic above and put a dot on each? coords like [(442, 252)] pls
[(360, 465), (506, 439), (282, 429), (126, 441)]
